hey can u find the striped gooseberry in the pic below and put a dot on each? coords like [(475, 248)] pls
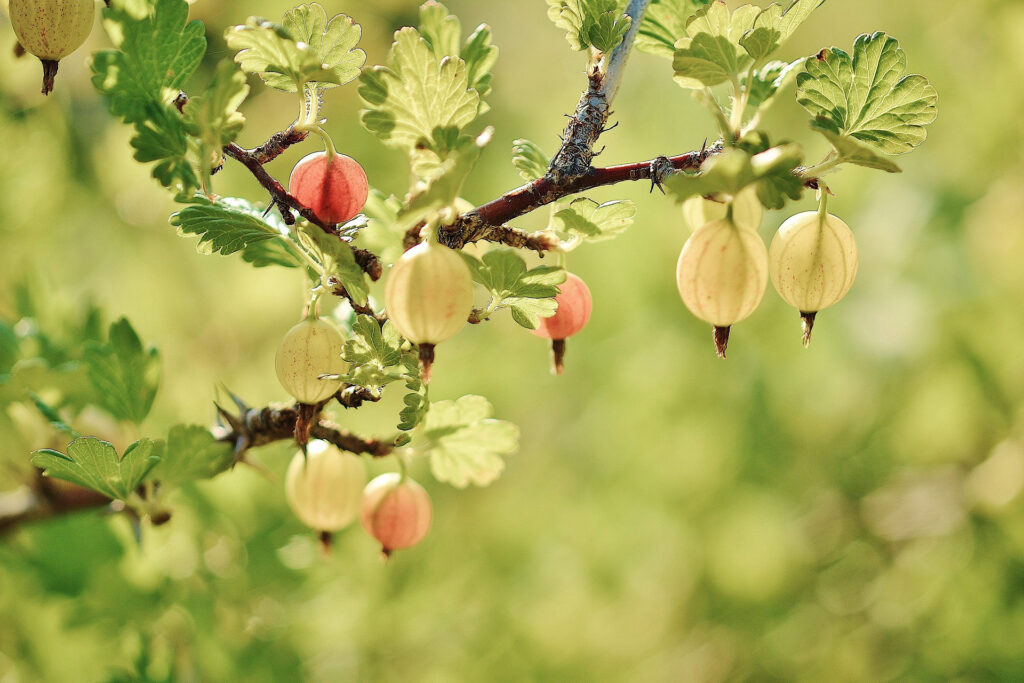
[(812, 263), (334, 187), (396, 511), (309, 350), (51, 30), (429, 296), (324, 488), (574, 306), (721, 275)]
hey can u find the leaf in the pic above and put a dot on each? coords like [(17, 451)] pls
[(125, 375), (597, 24), (416, 407), (382, 235), (156, 53), (53, 417), (269, 50), (769, 81), (191, 453), (664, 23), (853, 151), (94, 464), (529, 160), (774, 26), (710, 53), (336, 257), (375, 353), (528, 293), (213, 117), (772, 171), (333, 42), (422, 100), (868, 97), (467, 445), (232, 225), (443, 190), (594, 222)]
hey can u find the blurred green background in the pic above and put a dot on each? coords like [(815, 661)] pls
[(847, 513)]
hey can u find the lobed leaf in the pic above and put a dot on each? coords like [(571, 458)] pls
[(710, 54), (232, 225), (191, 453), (529, 294), (467, 444), (664, 24), (94, 464), (774, 26), (868, 96), (529, 160), (594, 222), (125, 375), (332, 41), (729, 172)]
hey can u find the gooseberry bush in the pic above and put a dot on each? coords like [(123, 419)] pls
[(340, 235)]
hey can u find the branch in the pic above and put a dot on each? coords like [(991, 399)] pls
[(485, 221), (585, 126)]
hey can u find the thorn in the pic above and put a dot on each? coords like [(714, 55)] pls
[(703, 150), (611, 127)]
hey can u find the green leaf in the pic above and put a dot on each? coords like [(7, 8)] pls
[(213, 117), (269, 50), (597, 24), (125, 375), (94, 464), (375, 353), (769, 81), (467, 445), (774, 26), (415, 410), (427, 94), (336, 257), (156, 53), (868, 97), (664, 23), (191, 453), (528, 293), (443, 189), (594, 222), (232, 225), (710, 53), (853, 151), (53, 417), (730, 171), (529, 160), (382, 234), (333, 42), (35, 375)]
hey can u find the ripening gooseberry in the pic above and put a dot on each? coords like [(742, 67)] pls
[(747, 211), (812, 262), (335, 188), (396, 511), (721, 275), (574, 305), (311, 349), (429, 296), (324, 488), (51, 30)]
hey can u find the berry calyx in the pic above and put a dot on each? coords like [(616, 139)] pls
[(309, 350), (429, 296), (51, 30), (721, 275), (334, 187), (396, 511), (747, 210), (813, 263), (574, 307), (324, 488)]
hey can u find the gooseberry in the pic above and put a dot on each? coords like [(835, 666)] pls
[(396, 511), (721, 275), (51, 30), (335, 188), (429, 296), (747, 210), (574, 307), (813, 263), (324, 487), (309, 350)]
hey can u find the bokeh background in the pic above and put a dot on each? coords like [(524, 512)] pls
[(847, 513)]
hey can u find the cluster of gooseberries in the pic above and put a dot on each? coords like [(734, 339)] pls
[(327, 490), (724, 267), (51, 30)]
